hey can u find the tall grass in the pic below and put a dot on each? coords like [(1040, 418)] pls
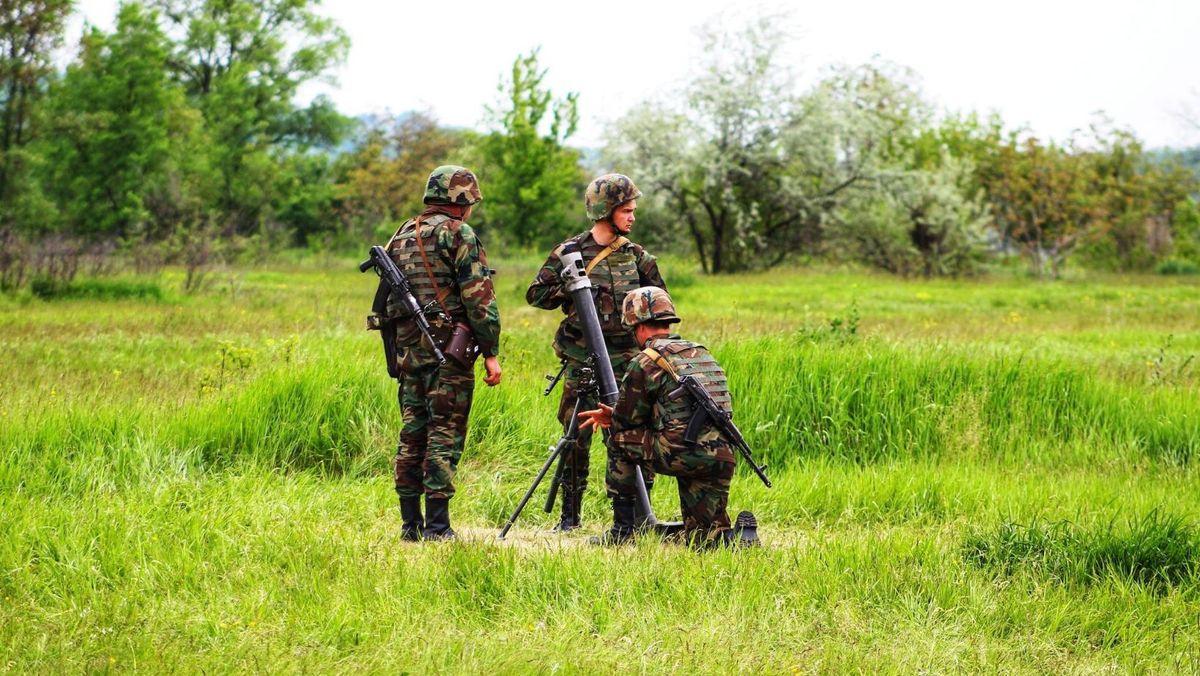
[(869, 401), (861, 402), (1158, 550)]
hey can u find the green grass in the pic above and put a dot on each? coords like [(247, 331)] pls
[(1160, 551), (990, 475)]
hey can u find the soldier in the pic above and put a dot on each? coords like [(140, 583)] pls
[(447, 268), (647, 429), (616, 266)]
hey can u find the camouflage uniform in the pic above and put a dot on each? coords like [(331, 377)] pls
[(649, 430), (435, 401)]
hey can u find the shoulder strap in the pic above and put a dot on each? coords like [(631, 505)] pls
[(613, 246), (661, 361), (440, 294), (388, 246)]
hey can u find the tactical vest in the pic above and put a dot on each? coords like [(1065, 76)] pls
[(688, 359), (403, 249), (615, 277)]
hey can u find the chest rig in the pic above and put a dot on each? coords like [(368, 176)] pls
[(614, 276), (684, 358), (406, 253)]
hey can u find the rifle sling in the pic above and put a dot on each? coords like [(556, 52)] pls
[(661, 361), (604, 253), (439, 293)]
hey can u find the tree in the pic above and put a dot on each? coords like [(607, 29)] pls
[(383, 178), (755, 172), (1136, 196), (1040, 199), (715, 156), (29, 31), (242, 62), (923, 223), (125, 155), (532, 183), (931, 217)]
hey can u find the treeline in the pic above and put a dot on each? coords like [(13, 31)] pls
[(173, 139), (755, 171), (176, 139)]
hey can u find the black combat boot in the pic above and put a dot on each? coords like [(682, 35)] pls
[(410, 517), (641, 518), (623, 524), (572, 501), (437, 519), (745, 528), (744, 534)]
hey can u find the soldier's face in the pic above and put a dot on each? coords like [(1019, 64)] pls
[(623, 216)]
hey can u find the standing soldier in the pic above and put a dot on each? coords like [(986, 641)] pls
[(648, 429), (447, 269), (616, 266)]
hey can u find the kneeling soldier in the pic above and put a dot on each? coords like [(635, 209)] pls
[(649, 429)]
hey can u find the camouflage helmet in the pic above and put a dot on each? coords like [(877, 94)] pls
[(452, 184), (608, 192), (648, 304)]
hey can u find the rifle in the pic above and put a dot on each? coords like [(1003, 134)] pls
[(395, 281), (554, 379), (708, 411)]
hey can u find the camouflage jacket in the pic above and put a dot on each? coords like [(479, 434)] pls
[(624, 270), (459, 263), (645, 421)]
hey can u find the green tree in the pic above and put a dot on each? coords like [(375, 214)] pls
[(242, 63), (29, 31), (382, 180), (1136, 197), (758, 173), (715, 155), (532, 184), (931, 217), (1187, 229), (125, 154)]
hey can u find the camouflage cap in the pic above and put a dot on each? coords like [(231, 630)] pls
[(607, 193), (648, 304), (452, 184)]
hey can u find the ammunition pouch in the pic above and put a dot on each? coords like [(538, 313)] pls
[(461, 347)]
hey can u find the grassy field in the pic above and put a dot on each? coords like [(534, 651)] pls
[(995, 475)]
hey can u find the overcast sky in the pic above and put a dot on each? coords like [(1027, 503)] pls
[(1047, 64)]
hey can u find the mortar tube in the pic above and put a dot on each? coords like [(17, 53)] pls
[(576, 282)]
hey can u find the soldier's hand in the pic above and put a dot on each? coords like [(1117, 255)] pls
[(492, 366), (600, 417)]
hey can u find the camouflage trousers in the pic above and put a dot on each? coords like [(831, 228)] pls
[(704, 472), (577, 456), (435, 402)]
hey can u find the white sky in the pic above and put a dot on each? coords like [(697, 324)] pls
[(1047, 64)]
